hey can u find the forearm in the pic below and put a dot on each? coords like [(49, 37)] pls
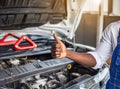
[(82, 58)]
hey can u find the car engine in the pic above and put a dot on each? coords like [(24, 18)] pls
[(36, 69), (32, 73)]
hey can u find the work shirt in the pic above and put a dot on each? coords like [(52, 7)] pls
[(107, 44)]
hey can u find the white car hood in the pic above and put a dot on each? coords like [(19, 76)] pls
[(69, 26)]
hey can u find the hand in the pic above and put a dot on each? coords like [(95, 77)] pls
[(59, 49)]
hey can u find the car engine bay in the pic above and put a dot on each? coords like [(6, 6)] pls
[(36, 69), (32, 73), (26, 37)]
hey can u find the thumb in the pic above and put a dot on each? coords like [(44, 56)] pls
[(63, 50), (56, 38)]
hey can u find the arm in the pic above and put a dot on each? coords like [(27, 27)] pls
[(83, 58), (59, 51)]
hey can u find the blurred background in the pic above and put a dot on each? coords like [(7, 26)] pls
[(96, 16)]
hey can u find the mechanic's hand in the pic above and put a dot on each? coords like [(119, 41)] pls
[(59, 49)]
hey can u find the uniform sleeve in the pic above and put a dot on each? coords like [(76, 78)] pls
[(104, 49)]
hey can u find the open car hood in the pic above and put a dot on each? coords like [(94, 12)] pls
[(63, 15)]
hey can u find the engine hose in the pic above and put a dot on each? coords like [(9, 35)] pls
[(25, 86), (52, 84)]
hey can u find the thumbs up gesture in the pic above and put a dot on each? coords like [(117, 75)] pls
[(59, 49)]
